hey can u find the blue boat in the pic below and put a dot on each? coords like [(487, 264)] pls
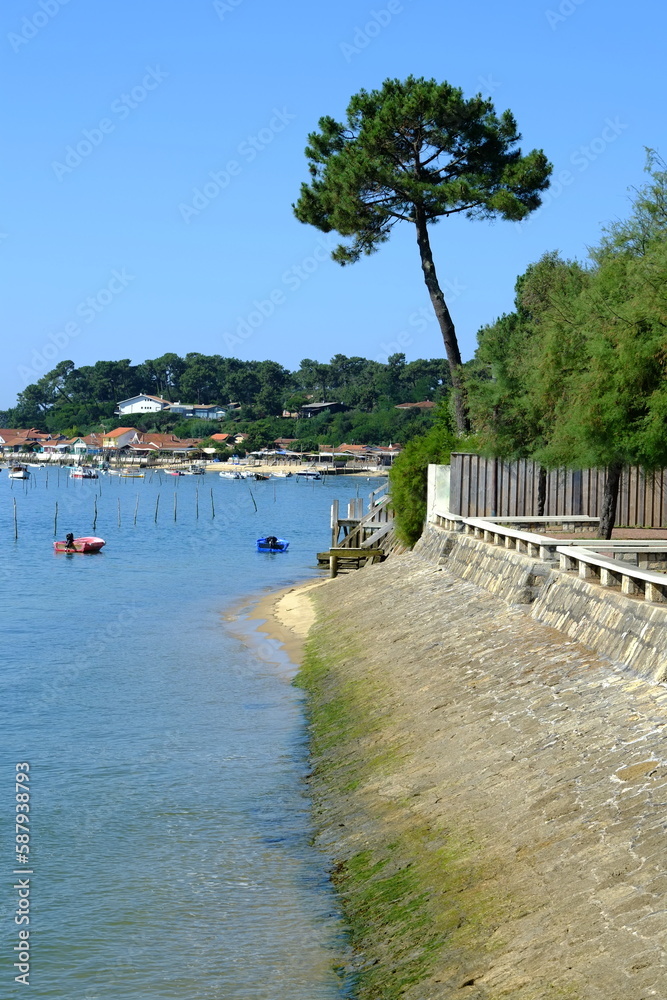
[(272, 544)]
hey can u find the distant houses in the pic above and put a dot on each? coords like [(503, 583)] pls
[(362, 452), (145, 403), (314, 409), (121, 442)]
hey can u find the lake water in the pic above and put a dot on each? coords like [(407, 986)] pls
[(170, 829)]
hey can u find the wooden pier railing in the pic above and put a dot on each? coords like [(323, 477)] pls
[(358, 536)]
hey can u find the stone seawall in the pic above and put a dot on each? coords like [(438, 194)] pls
[(492, 792), (628, 630)]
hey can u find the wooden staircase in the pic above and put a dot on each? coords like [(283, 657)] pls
[(359, 537)]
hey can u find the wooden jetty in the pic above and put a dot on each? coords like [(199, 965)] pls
[(358, 538)]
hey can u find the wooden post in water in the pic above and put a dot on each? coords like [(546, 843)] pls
[(16, 523), (212, 504), (119, 512), (175, 504), (136, 509), (47, 479), (157, 505), (334, 523), (94, 513), (55, 521), (252, 498), (196, 503)]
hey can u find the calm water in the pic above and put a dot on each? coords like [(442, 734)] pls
[(170, 828)]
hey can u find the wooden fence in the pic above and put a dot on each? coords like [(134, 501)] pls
[(488, 487)]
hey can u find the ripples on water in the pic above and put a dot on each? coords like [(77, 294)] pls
[(171, 830)]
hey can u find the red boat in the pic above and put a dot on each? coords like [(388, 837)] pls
[(89, 544)]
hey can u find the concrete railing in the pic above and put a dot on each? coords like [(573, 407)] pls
[(594, 560), (632, 580)]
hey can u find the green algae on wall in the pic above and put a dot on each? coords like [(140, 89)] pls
[(413, 895)]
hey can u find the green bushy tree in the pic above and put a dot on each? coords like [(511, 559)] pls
[(408, 476)]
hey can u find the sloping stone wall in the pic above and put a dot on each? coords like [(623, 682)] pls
[(492, 792), (628, 630)]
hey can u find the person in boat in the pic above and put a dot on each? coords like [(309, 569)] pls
[(272, 541), (69, 542)]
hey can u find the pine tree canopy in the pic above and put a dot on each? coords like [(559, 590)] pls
[(415, 146)]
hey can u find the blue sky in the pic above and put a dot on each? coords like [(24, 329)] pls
[(110, 253)]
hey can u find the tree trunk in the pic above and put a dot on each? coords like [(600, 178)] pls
[(541, 491), (609, 499), (444, 320)]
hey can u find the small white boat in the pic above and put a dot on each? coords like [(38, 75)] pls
[(281, 475), (19, 472), (231, 475), (308, 475), (83, 472)]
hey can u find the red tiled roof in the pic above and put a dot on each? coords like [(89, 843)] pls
[(219, 437), (119, 431)]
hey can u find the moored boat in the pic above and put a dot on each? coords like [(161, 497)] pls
[(83, 472), (231, 475), (86, 544), (308, 475), (19, 472), (272, 544)]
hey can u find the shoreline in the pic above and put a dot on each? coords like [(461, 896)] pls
[(283, 616), (268, 468)]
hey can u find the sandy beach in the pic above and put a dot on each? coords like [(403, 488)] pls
[(288, 616), (269, 469)]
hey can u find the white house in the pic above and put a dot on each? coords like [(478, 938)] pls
[(143, 403)]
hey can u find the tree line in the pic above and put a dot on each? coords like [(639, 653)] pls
[(81, 399)]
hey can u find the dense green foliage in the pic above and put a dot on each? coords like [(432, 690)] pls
[(417, 151), (408, 476), (78, 400), (576, 375)]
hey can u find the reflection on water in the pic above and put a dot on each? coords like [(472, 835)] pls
[(171, 829)]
